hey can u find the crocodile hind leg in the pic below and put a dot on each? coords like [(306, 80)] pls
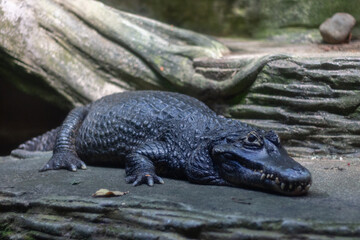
[(64, 153)]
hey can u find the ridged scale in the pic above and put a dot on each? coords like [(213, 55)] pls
[(117, 124)]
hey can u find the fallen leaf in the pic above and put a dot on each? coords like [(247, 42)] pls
[(107, 193)]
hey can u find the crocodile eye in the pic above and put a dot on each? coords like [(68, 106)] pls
[(253, 140)]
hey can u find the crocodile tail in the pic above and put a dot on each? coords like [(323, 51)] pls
[(44, 142)]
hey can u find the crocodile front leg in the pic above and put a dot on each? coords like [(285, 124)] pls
[(64, 153), (139, 166)]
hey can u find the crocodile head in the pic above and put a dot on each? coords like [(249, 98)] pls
[(257, 159)]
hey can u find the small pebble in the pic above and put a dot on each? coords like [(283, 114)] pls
[(337, 29)]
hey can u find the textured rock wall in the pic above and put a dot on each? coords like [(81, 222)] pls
[(256, 18), (314, 103), (74, 52)]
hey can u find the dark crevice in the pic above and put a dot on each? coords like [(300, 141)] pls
[(24, 116)]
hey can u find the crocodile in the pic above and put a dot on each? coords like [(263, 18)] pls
[(158, 133)]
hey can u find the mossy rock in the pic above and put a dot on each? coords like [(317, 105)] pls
[(242, 18)]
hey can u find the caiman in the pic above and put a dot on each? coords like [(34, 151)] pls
[(155, 133)]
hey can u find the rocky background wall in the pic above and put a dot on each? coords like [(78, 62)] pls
[(71, 53), (281, 19)]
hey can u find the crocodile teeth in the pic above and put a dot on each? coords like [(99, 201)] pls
[(307, 187), (298, 189), (262, 177), (272, 175), (277, 180), (261, 171), (282, 186), (290, 186), (268, 176)]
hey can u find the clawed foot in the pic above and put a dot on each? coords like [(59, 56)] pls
[(64, 161), (141, 178)]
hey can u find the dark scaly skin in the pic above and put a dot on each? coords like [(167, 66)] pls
[(154, 133)]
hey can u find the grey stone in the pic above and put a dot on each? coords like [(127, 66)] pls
[(51, 207), (83, 53), (337, 29)]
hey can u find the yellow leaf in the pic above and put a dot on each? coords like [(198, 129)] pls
[(107, 193)]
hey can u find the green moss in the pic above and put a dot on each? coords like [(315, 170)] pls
[(238, 99), (158, 60), (356, 114), (29, 237), (5, 231)]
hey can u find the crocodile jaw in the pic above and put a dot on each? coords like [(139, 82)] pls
[(287, 181), (269, 168)]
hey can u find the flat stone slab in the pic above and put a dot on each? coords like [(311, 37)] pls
[(59, 204), (307, 49)]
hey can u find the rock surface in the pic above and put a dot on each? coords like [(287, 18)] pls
[(58, 205), (337, 29)]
